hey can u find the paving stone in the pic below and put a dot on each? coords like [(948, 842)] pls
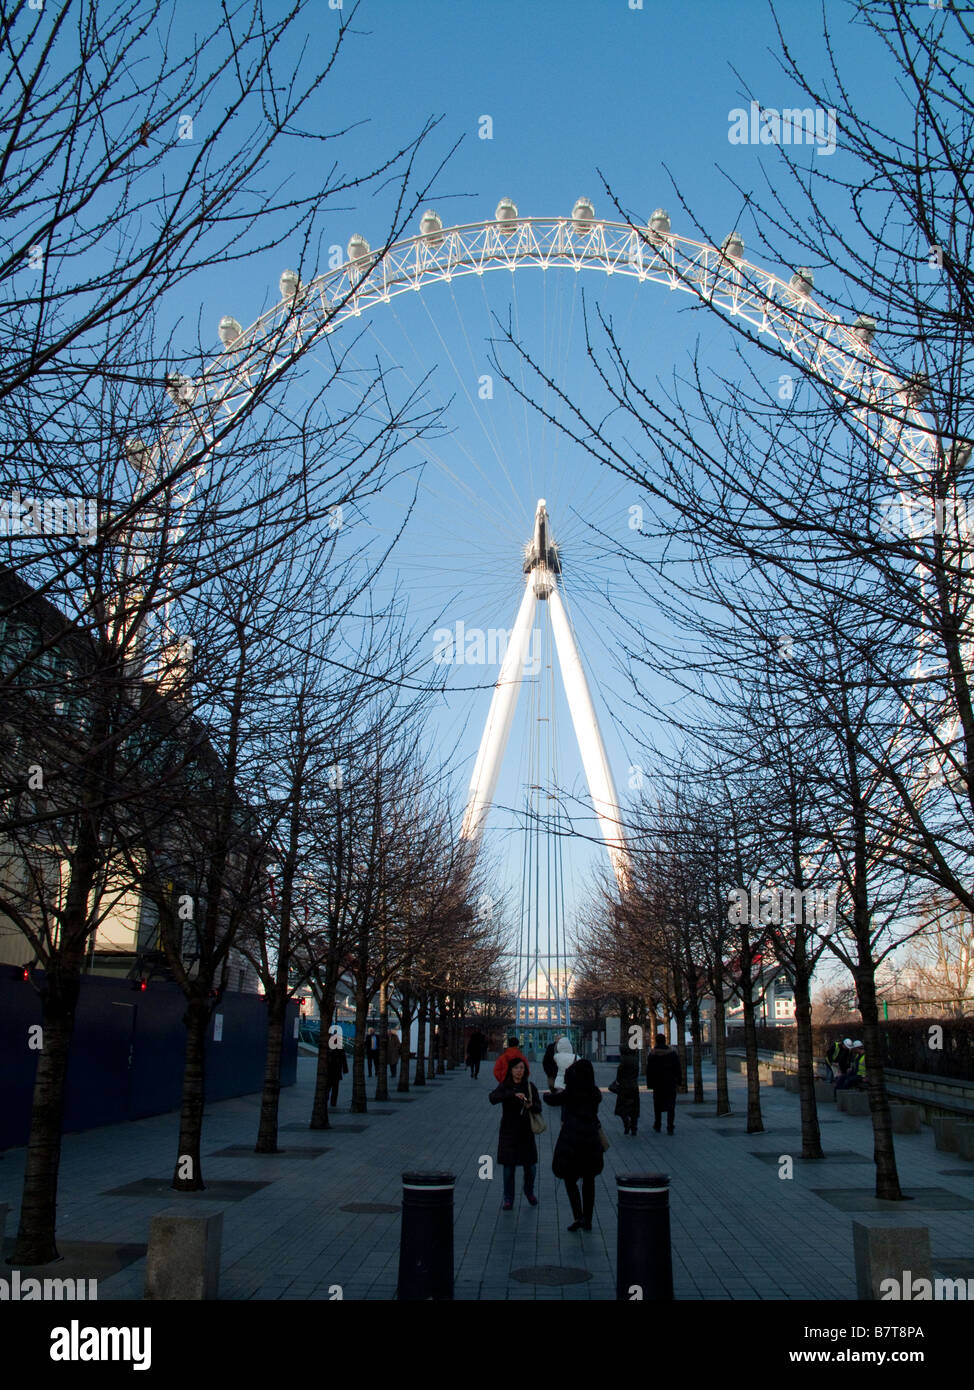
[(738, 1231)]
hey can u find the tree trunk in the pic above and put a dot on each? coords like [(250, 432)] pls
[(36, 1237), (811, 1132), (441, 1043), (680, 1015), (720, 1053), (755, 1124), (382, 1059), (884, 1155), (406, 1024), (271, 1095), (697, 1044), (419, 1078), (360, 1103), (319, 1108), (188, 1175)]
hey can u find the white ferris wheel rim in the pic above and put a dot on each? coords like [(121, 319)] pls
[(837, 353)]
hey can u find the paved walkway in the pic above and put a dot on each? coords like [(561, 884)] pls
[(739, 1230)]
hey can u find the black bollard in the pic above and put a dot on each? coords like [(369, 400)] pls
[(644, 1264), (426, 1237)]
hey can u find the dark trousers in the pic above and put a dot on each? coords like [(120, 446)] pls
[(582, 1207), (661, 1103), (370, 1058), (510, 1172), (474, 1065), (333, 1093)]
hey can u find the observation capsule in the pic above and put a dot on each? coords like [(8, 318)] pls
[(358, 255), (180, 389), (864, 328), (431, 227), (506, 215), (583, 216), (229, 330), (917, 387), (659, 223), (802, 282), (290, 284)]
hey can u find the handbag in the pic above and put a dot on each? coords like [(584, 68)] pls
[(603, 1139), (538, 1125)]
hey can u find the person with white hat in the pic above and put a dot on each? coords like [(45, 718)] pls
[(838, 1057), (855, 1074)]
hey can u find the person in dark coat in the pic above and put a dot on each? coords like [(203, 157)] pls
[(476, 1047), (337, 1068), (515, 1145), (578, 1152), (549, 1066), (663, 1078), (372, 1049), (626, 1088), (393, 1050)]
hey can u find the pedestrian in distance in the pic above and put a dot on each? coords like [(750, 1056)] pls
[(578, 1155), (564, 1058), (337, 1068), (516, 1147), (549, 1066), (838, 1058), (626, 1089), (371, 1049), (663, 1078), (855, 1077), (510, 1053), (476, 1047), (393, 1050)]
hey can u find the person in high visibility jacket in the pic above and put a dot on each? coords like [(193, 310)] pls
[(839, 1056), (856, 1075)]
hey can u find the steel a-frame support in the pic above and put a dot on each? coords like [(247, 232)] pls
[(542, 567)]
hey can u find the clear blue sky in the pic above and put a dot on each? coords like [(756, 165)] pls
[(572, 87)]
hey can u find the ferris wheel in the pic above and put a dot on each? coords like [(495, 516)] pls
[(782, 310)]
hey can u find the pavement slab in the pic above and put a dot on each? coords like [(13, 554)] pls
[(317, 1230)]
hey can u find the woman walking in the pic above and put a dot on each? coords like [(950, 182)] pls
[(515, 1145), (626, 1089), (578, 1152)]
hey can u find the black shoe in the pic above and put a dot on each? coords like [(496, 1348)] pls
[(633, 1131), (670, 1130), (657, 1128), (578, 1226)]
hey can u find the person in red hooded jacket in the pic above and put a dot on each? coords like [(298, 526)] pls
[(512, 1050)]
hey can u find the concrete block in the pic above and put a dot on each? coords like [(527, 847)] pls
[(778, 1078), (888, 1252), (791, 1084), (944, 1137), (824, 1093), (856, 1103), (183, 1258), (906, 1118), (964, 1132)]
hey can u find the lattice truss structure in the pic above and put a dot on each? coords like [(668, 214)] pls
[(838, 354)]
